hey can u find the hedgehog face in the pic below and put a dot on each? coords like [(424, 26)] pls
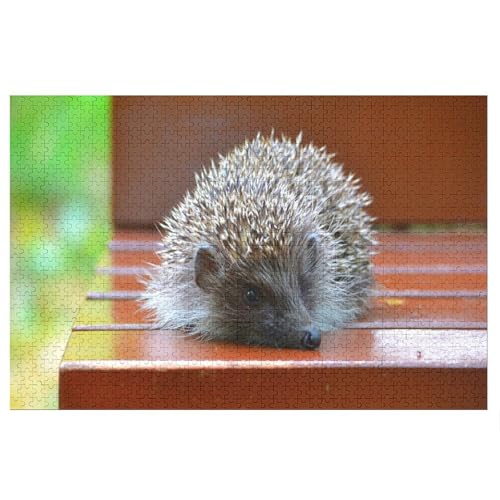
[(262, 300), (259, 313)]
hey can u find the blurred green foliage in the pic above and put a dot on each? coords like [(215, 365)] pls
[(60, 223)]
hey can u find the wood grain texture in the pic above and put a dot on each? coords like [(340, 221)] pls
[(277, 388), (353, 369), (400, 312)]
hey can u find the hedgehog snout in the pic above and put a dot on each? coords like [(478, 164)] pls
[(311, 338)]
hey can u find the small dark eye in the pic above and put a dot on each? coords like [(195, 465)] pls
[(252, 295)]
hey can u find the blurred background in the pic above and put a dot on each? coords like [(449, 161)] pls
[(60, 222)]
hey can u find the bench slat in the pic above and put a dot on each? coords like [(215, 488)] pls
[(387, 258), (354, 369), (449, 281), (385, 282), (377, 347), (414, 312)]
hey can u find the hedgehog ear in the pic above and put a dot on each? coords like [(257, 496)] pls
[(312, 251), (206, 266)]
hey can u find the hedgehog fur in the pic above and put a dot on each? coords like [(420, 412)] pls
[(272, 247)]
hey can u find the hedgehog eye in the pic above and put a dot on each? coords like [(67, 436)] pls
[(252, 295)]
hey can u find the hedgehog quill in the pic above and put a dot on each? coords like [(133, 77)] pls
[(272, 247)]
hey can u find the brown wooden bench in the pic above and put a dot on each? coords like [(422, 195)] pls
[(423, 344)]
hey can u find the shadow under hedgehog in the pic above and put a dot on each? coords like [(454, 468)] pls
[(272, 247)]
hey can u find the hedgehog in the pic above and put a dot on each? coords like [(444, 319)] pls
[(272, 247)]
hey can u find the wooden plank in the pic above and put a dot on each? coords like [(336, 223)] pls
[(475, 282), (117, 294), (394, 249), (422, 158), (280, 388), (422, 281), (428, 261), (376, 347), (353, 369), (386, 259), (401, 312)]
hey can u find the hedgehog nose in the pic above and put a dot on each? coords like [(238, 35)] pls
[(311, 338)]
